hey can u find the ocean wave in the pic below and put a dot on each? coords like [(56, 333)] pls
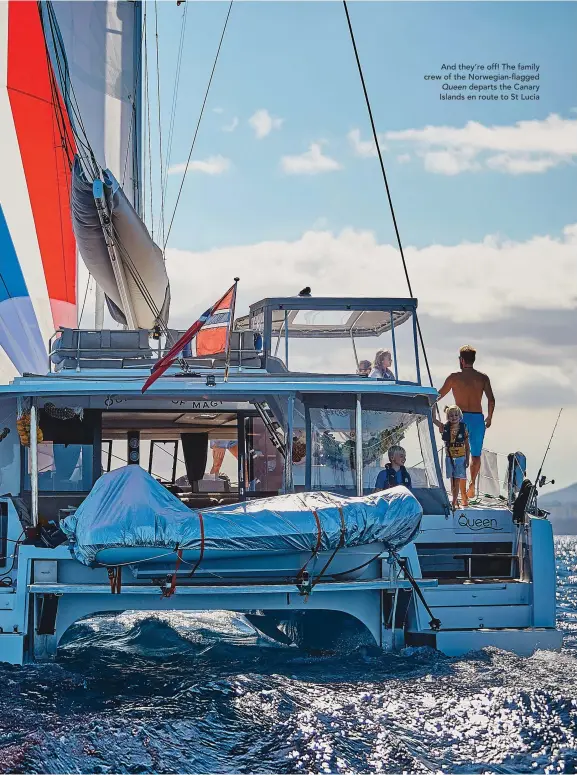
[(203, 692)]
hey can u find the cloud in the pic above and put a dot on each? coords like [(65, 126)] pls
[(312, 162), (363, 148), (527, 147), (450, 162), (493, 277), (521, 163), (263, 123), (232, 126), (218, 110), (403, 158), (532, 353), (522, 322), (214, 165)]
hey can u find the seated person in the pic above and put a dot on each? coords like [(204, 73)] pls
[(381, 367), (394, 473), (364, 369)]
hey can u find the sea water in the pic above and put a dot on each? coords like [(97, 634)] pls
[(200, 693)]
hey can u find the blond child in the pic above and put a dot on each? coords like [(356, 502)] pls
[(457, 452), (394, 473)]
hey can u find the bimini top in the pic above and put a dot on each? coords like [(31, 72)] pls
[(330, 317)]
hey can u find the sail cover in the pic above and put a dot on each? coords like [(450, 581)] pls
[(144, 268), (128, 508), (37, 247)]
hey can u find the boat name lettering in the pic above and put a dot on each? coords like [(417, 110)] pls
[(109, 400), (479, 524), (201, 404)]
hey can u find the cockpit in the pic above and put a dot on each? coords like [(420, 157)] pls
[(283, 415)]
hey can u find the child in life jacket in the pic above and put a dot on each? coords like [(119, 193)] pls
[(456, 437), (394, 473)]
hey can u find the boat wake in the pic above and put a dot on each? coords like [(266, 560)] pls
[(203, 692)]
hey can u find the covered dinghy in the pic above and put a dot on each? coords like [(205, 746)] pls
[(146, 279), (129, 509)]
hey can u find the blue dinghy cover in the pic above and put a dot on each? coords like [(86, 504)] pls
[(128, 508)]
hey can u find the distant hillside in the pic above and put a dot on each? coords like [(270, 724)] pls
[(563, 507)]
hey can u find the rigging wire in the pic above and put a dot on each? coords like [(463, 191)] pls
[(84, 302), (77, 124), (198, 123), (143, 128), (159, 122), (59, 112), (174, 98), (386, 182), (136, 276)]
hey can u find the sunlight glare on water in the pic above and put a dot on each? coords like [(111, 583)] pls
[(201, 692)]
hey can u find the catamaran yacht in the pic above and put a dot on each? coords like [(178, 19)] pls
[(260, 532), (244, 477)]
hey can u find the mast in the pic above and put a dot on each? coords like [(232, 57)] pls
[(99, 308), (137, 149), (133, 191)]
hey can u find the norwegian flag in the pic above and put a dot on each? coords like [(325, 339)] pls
[(212, 340), (167, 360)]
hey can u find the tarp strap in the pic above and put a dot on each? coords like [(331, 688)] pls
[(169, 591), (340, 545), (315, 550), (115, 579), (201, 555), (306, 590)]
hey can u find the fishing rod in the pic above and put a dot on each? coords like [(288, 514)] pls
[(540, 479)]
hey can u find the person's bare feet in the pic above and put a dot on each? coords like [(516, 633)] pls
[(465, 503), (471, 491)]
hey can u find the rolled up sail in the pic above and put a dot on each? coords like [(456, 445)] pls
[(96, 52), (147, 283), (128, 508)]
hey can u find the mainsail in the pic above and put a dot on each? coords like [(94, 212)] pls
[(96, 48)]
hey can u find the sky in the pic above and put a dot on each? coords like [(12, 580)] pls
[(284, 188)]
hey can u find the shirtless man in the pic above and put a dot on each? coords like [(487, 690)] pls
[(468, 387)]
